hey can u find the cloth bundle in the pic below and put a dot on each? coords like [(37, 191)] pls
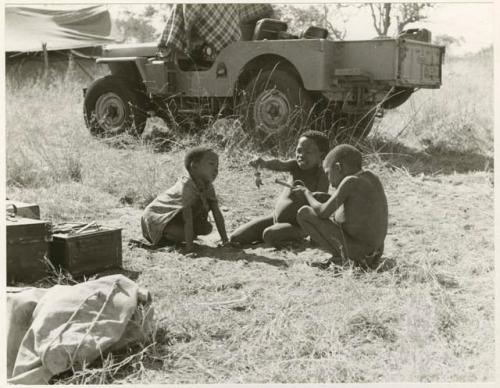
[(53, 330)]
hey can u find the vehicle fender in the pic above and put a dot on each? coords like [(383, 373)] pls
[(132, 68), (306, 58)]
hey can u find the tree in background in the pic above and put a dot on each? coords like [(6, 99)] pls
[(144, 26), (328, 16), (404, 13), (448, 41), (381, 17)]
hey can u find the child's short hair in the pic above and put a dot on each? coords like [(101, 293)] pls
[(345, 154), (319, 138), (195, 154)]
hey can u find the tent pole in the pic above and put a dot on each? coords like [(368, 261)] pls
[(45, 58)]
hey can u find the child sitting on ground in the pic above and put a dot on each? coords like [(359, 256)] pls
[(180, 214), (282, 227), (352, 223)]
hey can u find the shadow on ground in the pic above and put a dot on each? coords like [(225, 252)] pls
[(431, 161), (236, 254)]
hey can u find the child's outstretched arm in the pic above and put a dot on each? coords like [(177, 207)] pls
[(273, 164), (326, 209), (187, 215), (219, 221)]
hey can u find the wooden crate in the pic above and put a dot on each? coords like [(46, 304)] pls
[(88, 252), (26, 210), (27, 244)]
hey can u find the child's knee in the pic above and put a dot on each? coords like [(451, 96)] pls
[(269, 235), (305, 213), (286, 212), (236, 239)]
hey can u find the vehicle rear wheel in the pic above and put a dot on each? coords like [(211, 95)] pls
[(112, 106), (397, 97), (275, 102)]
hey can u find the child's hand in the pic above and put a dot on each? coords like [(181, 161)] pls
[(223, 244), (257, 162), (298, 192)]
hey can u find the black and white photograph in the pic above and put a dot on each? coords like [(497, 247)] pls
[(249, 193)]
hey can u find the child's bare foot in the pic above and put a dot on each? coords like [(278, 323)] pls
[(235, 244), (332, 261)]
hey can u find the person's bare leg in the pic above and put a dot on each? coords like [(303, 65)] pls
[(285, 211), (279, 234), (324, 232), (251, 231)]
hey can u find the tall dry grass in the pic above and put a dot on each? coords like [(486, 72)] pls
[(458, 116), (51, 155)]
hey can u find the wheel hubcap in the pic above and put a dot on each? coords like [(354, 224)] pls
[(110, 112), (271, 111)]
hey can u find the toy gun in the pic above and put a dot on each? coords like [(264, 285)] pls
[(295, 184)]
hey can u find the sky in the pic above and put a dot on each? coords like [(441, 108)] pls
[(471, 21)]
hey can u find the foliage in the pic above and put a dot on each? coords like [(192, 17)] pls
[(325, 15), (383, 15), (448, 40), (144, 26), (136, 29)]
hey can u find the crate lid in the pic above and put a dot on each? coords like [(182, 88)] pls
[(21, 221), (76, 229)]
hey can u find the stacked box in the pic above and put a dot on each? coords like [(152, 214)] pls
[(27, 245), (88, 252)]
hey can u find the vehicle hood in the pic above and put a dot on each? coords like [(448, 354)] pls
[(130, 50)]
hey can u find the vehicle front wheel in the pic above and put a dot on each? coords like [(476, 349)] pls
[(273, 102), (112, 106)]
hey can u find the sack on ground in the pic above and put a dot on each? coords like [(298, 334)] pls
[(71, 326)]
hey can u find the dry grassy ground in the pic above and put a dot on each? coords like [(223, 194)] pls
[(262, 315)]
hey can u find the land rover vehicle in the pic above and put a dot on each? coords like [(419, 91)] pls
[(274, 82)]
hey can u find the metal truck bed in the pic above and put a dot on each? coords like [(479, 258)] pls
[(398, 62)]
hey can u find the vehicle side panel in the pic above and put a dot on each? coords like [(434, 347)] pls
[(375, 59), (307, 56), (323, 65)]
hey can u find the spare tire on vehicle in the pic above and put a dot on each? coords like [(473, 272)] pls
[(113, 105)]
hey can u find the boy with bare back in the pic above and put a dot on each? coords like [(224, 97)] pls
[(352, 223)]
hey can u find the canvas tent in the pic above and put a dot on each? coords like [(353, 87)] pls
[(39, 37)]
